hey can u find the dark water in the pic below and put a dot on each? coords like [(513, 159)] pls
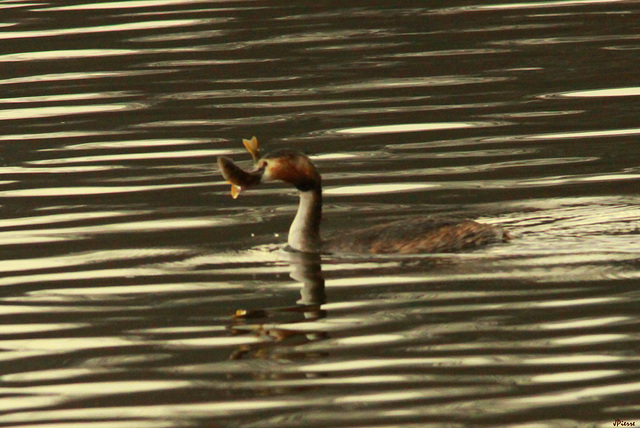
[(125, 260)]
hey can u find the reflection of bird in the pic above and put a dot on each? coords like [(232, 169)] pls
[(416, 235)]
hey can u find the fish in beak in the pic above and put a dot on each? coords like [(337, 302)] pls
[(286, 165), (252, 147), (238, 177)]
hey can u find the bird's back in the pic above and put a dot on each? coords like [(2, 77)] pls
[(417, 236)]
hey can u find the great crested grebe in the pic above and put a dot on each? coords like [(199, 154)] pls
[(413, 236)]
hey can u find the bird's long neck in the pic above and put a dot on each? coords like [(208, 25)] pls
[(304, 234)]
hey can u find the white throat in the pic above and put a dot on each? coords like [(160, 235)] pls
[(304, 234)]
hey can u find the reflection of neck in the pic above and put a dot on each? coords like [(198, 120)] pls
[(306, 268), (304, 234)]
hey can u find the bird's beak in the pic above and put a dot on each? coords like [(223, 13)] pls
[(238, 177)]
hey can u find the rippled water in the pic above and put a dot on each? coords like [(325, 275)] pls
[(137, 293)]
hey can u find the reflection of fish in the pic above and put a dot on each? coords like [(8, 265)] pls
[(415, 235)]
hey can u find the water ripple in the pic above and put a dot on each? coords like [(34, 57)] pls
[(55, 111), (136, 4), (137, 293), (8, 35), (66, 54)]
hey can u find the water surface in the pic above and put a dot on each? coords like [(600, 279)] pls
[(137, 293)]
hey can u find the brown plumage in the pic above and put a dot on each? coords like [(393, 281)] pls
[(412, 236), (417, 236)]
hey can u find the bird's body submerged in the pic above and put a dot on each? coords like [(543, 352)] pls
[(412, 236), (421, 235)]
